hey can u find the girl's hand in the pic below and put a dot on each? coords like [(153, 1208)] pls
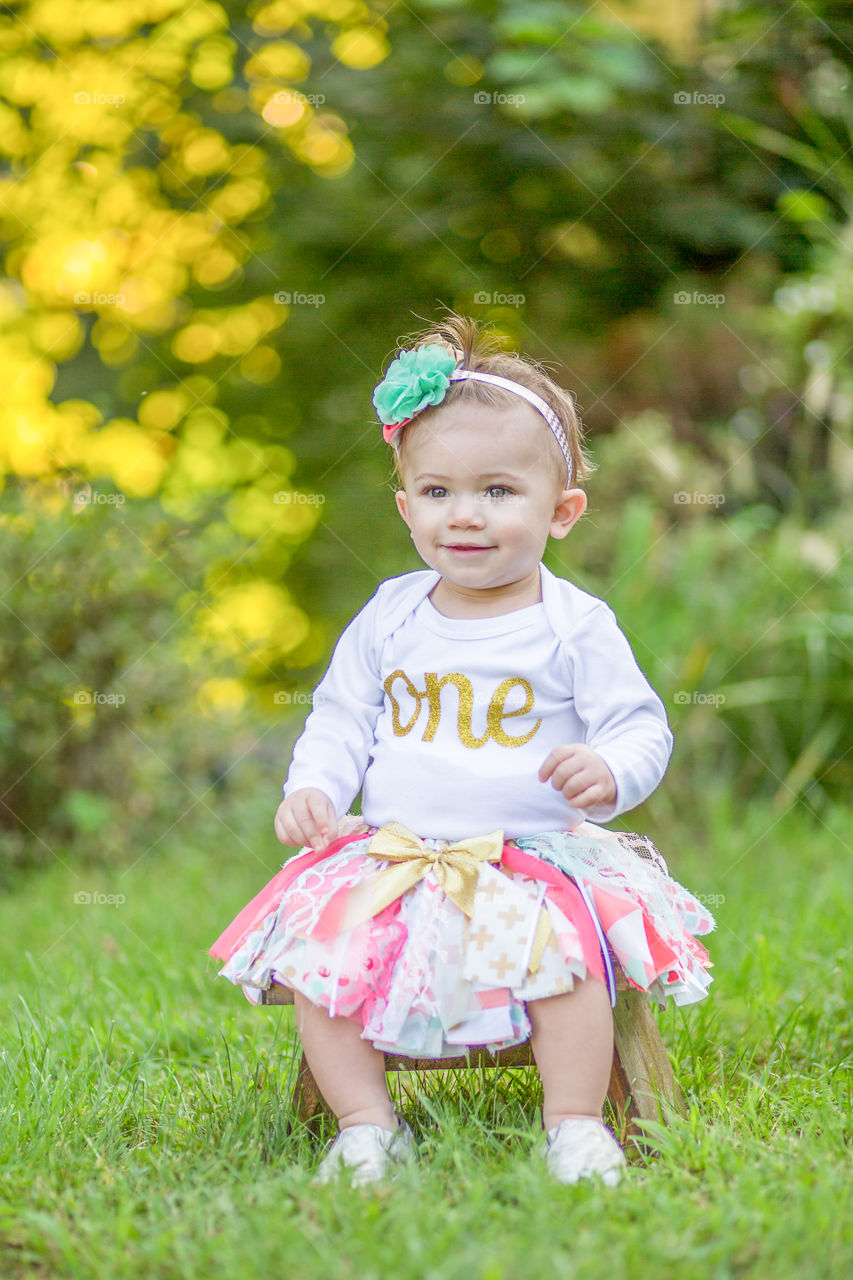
[(581, 775), (306, 818)]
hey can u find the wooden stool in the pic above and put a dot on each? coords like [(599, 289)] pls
[(640, 1076)]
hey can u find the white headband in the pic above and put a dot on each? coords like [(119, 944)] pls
[(462, 375)]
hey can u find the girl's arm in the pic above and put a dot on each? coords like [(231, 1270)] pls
[(625, 720), (333, 750)]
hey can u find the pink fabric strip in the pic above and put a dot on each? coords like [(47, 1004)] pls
[(566, 895), (269, 898)]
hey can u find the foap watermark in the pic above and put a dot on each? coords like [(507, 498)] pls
[(710, 899), (285, 96), (685, 299), (685, 498), (484, 299), (691, 697), (94, 498), (484, 99), (698, 99), (98, 99), (298, 698), (291, 698), (95, 898), (285, 299), (93, 698), (286, 497), (86, 299)]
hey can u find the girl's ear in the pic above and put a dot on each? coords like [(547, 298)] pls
[(403, 505), (569, 508)]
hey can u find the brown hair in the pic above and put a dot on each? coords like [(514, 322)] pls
[(480, 350)]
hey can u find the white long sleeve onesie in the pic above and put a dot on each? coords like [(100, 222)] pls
[(445, 722)]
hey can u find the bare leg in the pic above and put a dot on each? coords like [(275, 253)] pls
[(572, 1039), (349, 1072)]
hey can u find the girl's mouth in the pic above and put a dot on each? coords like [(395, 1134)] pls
[(461, 549)]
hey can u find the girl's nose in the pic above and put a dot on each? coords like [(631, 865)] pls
[(466, 511)]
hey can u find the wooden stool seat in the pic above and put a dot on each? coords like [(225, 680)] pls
[(641, 1078)]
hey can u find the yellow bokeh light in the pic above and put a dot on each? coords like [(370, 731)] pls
[(234, 201), (464, 71), (57, 333), (196, 343), (256, 615), (14, 140), (281, 461), (205, 426), (25, 441), (204, 468), (12, 300), (163, 409), (247, 159), (245, 459), (25, 80), (260, 365), (323, 148), (82, 265), (279, 60), (128, 454), (239, 331), (27, 378), (158, 107), (579, 241), (275, 18), (139, 293), (205, 152), (216, 267), (81, 411), (74, 419), (187, 235), (332, 123), (361, 47), (196, 21), (267, 313), (284, 109), (221, 696), (212, 67)]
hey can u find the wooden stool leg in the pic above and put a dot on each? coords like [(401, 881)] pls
[(307, 1102), (642, 1073)]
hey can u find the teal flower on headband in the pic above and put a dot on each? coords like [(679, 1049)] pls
[(414, 380)]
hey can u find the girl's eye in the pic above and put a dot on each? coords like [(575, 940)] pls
[(439, 491)]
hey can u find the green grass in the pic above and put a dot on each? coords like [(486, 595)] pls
[(145, 1102)]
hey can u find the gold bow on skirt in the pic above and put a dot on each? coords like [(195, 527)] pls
[(457, 869), (456, 866)]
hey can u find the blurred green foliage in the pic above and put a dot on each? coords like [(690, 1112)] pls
[(108, 699), (743, 626)]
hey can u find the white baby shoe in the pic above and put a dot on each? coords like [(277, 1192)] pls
[(582, 1147), (368, 1152)]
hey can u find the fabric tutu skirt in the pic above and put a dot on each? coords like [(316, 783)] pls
[(433, 946)]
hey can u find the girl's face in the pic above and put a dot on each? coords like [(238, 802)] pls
[(481, 500)]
